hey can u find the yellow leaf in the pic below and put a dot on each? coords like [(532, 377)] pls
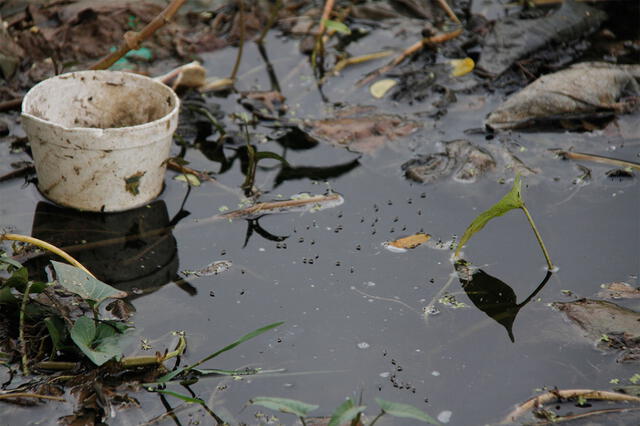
[(381, 87), (412, 241), (461, 67)]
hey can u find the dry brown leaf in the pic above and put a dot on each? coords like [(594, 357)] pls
[(618, 290), (362, 134), (412, 241)]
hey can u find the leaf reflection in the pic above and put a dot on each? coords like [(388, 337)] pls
[(493, 296)]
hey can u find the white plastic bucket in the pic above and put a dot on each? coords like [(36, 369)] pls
[(100, 139)]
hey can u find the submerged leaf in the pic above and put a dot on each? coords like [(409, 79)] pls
[(589, 88), (618, 290), (510, 201), (397, 409), (284, 405), (364, 134), (461, 158), (214, 268), (598, 317), (84, 285), (512, 39)]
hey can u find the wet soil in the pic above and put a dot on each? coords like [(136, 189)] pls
[(354, 312)]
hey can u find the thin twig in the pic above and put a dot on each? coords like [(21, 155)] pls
[(552, 396), (271, 206), (132, 39), (45, 245), (236, 66), (21, 338), (444, 5), (572, 155), (272, 18), (11, 104), (318, 50), (440, 38), (31, 395)]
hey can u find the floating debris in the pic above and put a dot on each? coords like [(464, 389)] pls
[(402, 244), (381, 87), (214, 268), (461, 158), (297, 204), (364, 134), (619, 290), (513, 39), (592, 89)]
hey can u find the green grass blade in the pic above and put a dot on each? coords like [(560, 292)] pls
[(180, 396), (512, 200), (169, 376)]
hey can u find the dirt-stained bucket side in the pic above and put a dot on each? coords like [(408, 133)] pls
[(100, 138)]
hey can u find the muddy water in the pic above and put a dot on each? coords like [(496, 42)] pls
[(353, 311)]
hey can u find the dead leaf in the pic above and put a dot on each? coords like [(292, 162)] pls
[(301, 203), (410, 242), (461, 158), (362, 134), (585, 89), (267, 105), (512, 39), (619, 290)]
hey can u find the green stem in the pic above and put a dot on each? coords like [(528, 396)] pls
[(139, 361), (45, 245), (538, 237), (377, 417), (302, 421), (23, 342)]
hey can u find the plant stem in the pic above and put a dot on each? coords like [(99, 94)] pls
[(236, 66), (23, 342), (30, 395), (272, 18), (133, 39), (377, 417), (139, 361), (302, 421), (45, 245), (538, 237)]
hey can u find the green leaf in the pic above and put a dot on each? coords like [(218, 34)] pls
[(171, 375), (57, 331), (84, 285), (18, 279), (6, 259), (336, 26), (397, 409), (6, 297), (346, 412), (284, 405), (84, 335), (180, 396), (259, 155), (189, 178), (510, 201)]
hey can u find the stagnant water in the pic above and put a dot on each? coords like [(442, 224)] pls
[(354, 311)]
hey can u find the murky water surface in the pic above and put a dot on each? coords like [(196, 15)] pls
[(354, 312)]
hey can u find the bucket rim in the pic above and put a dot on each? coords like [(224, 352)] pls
[(109, 130)]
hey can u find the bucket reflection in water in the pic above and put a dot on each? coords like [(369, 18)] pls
[(134, 250)]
